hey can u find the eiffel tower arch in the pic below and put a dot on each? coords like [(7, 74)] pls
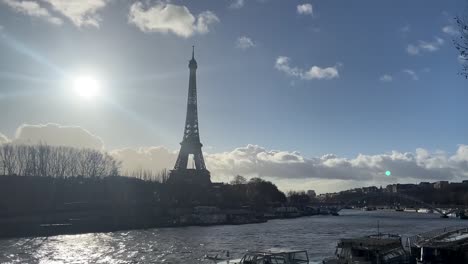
[(191, 144)]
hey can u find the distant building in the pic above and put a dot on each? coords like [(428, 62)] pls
[(325, 196), (425, 185), (311, 193), (370, 189), (321, 197), (457, 185), (441, 185), (395, 188)]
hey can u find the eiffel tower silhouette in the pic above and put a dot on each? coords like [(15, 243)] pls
[(191, 144)]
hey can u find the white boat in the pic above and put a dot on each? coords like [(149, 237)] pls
[(425, 211)]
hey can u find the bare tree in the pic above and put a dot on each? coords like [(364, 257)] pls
[(7, 154), (461, 44), (58, 162), (149, 175)]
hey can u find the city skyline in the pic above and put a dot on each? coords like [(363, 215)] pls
[(330, 100)]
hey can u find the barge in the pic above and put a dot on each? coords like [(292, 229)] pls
[(373, 249)]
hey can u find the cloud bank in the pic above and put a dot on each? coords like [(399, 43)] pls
[(57, 135), (289, 169), (292, 170), (168, 18)]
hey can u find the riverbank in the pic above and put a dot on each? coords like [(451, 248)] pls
[(78, 219), (45, 206)]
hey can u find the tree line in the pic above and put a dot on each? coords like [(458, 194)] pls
[(56, 161)]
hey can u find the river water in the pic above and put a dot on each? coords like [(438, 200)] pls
[(316, 234)]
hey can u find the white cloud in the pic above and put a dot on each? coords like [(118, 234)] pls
[(431, 46), (56, 135), (245, 43), (33, 9), (236, 4), (305, 9), (462, 59), (405, 29), (321, 73), (81, 13), (315, 72), (147, 158), (386, 78), (427, 46), (164, 17), (451, 30), (412, 49), (412, 74), (204, 19)]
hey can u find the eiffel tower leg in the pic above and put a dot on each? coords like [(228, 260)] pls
[(199, 161), (182, 160)]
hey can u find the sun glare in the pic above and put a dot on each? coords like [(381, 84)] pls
[(86, 86)]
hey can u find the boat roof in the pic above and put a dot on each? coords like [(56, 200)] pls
[(378, 241), (276, 251)]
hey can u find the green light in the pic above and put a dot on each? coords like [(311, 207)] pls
[(388, 173)]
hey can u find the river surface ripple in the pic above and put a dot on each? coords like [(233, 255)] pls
[(316, 234)]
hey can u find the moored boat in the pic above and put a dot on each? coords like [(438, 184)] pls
[(447, 245), (270, 256), (425, 211), (373, 249)]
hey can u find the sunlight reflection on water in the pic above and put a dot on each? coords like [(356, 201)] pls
[(316, 234)]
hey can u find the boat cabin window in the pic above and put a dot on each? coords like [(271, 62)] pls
[(248, 259), (256, 259), (299, 257), (276, 260)]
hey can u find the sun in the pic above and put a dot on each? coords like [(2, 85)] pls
[(86, 86)]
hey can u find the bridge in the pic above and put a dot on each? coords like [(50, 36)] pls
[(453, 208)]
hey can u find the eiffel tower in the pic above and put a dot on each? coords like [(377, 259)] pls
[(191, 144)]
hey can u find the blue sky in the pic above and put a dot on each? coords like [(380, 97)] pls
[(385, 73)]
